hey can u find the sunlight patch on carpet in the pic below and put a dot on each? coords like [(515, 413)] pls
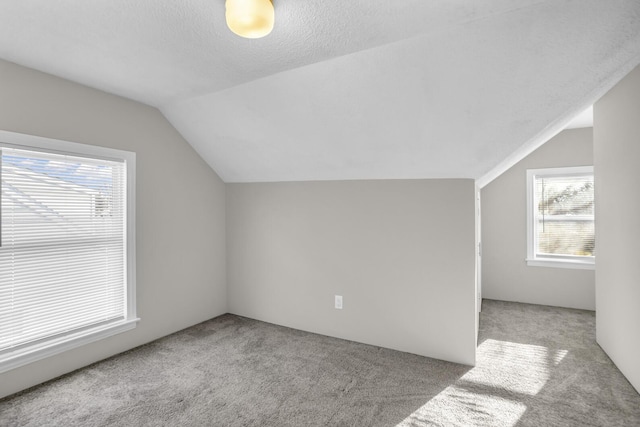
[(514, 367), (457, 406), (493, 392)]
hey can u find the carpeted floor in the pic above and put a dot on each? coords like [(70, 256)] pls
[(537, 366)]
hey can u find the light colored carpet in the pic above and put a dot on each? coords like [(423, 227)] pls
[(537, 366)]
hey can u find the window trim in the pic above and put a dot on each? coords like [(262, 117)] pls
[(38, 351), (558, 261)]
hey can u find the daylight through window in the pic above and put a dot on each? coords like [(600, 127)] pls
[(561, 229), (63, 254)]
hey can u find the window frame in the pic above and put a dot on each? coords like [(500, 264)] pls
[(558, 261), (24, 355)]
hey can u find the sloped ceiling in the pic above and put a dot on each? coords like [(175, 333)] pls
[(363, 89)]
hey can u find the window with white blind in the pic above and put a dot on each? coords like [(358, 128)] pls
[(67, 255), (560, 217)]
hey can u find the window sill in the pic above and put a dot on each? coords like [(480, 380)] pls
[(30, 354), (580, 265)]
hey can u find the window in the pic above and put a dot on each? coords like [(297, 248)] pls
[(560, 217), (67, 248)]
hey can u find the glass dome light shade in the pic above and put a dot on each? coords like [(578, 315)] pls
[(251, 19)]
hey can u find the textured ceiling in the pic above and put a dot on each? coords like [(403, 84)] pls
[(364, 89)]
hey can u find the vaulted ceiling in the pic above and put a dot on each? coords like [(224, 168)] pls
[(360, 89)]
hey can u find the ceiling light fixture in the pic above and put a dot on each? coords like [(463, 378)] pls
[(250, 18)]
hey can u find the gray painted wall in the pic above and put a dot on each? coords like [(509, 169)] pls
[(401, 253), (180, 209), (617, 173), (505, 274)]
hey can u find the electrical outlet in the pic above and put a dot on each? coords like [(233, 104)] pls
[(339, 302)]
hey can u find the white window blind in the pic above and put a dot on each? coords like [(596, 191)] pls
[(561, 219), (565, 215), (63, 245)]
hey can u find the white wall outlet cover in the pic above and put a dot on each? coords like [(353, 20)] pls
[(339, 302)]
